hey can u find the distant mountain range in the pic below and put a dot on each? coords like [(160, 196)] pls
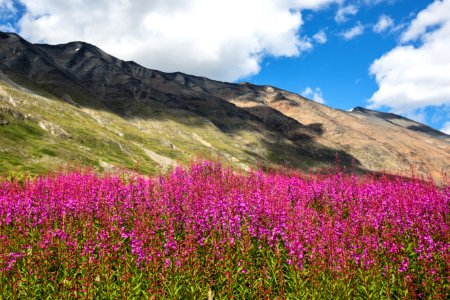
[(75, 104)]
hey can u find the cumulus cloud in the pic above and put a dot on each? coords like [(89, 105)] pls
[(310, 4), (6, 5), (415, 74), (320, 37), (222, 39), (7, 10), (384, 23), (7, 27), (7, 13), (306, 44), (435, 15), (353, 32), (343, 13), (315, 95), (446, 128), (375, 2)]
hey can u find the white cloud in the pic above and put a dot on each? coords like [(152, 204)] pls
[(7, 13), (305, 44), (415, 74), (436, 14), (375, 2), (7, 9), (418, 115), (311, 4), (320, 37), (353, 32), (384, 23), (307, 92), (6, 4), (315, 95), (7, 27), (222, 39), (446, 128), (345, 12)]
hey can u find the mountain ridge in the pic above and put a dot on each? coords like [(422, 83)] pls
[(263, 123), (413, 125)]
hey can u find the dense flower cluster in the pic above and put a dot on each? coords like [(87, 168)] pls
[(80, 229)]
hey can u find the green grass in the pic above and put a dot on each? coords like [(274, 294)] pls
[(90, 136), (263, 274)]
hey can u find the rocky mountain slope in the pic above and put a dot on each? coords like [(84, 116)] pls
[(75, 104)]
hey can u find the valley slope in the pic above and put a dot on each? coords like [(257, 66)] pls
[(75, 104)]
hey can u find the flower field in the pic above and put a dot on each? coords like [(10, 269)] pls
[(208, 232)]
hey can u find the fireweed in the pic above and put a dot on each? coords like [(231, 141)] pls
[(209, 232)]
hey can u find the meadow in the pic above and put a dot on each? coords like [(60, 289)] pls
[(208, 232)]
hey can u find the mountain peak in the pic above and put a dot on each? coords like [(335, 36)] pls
[(402, 122), (166, 116), (6, 35)]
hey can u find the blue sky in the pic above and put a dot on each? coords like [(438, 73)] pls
[(340, 68), (389, 55)]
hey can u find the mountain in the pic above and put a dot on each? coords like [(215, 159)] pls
[(76, 104)]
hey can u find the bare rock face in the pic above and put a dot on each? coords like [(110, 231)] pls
[(53, 129), (83, 75)]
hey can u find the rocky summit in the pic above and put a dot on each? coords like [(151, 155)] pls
[(74, 104)]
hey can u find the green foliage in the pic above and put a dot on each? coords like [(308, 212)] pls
[(265, 276)]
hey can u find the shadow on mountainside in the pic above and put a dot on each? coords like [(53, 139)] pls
[(84, 76)]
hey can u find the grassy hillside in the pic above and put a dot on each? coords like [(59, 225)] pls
[(75, 104), (40, 133)]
